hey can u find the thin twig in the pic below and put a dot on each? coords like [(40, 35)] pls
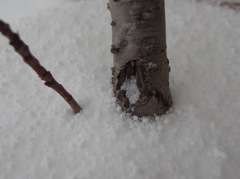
[(22, 49), (233, 5)]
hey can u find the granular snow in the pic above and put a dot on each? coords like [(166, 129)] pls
[(132, 91)]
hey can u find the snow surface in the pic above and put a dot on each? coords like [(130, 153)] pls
[(13, 10), (40, 137), (132, 91)]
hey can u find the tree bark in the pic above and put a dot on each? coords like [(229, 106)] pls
[(139, 49)]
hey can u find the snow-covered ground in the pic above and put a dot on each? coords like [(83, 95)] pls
[(13, 10), (41, 138)]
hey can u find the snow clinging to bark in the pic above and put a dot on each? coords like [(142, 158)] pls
[(132, 92)]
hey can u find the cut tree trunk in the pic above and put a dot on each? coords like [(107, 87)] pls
[(141, 67)]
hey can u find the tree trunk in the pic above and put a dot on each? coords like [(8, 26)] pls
[(141, 67)]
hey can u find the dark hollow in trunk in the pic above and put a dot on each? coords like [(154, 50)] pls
[(141, 67)]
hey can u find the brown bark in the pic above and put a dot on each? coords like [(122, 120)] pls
[(139, 49), (22, 49)]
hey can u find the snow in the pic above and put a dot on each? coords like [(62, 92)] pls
[(151, 65), (40, 137), (132, 91), (13, 10)]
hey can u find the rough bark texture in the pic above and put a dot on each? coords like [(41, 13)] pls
[(22, 49), (139, 48)]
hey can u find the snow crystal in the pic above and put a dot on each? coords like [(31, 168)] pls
[(132, 91), (152, 65)]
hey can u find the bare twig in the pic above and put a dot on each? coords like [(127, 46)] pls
[(22, 49), (233, 5)]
